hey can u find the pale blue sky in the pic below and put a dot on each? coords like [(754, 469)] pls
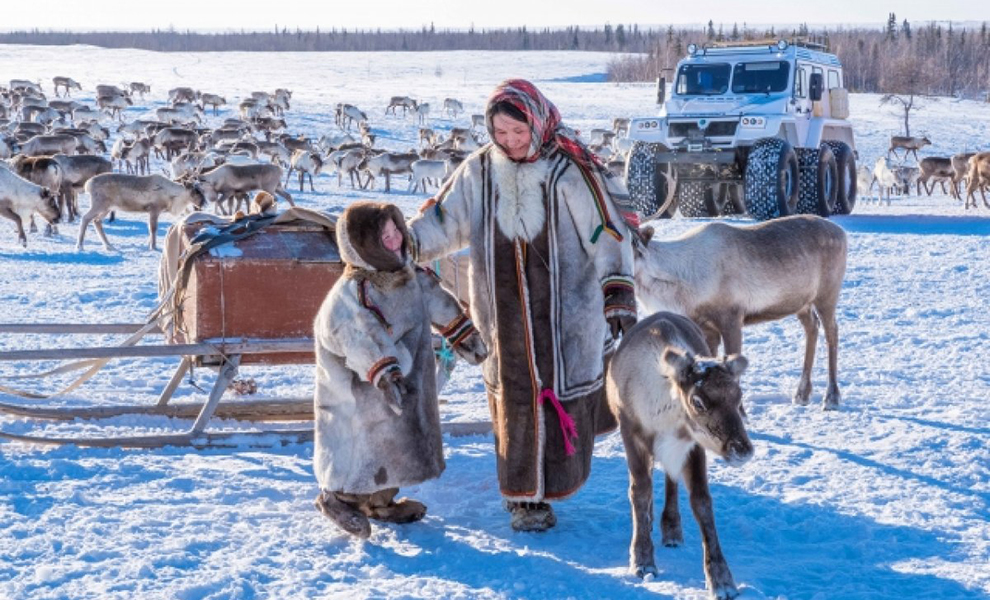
[(413, 14)]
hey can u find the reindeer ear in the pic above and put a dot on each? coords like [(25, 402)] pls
[(736, 364), (676, 364), (646, 234)]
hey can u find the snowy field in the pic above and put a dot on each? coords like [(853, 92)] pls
[(888, 497)]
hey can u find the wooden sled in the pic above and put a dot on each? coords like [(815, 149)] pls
[(232, 294)]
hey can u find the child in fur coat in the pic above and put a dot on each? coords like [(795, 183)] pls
[(377, 417)]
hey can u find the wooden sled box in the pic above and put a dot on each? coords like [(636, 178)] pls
[(269, 285)]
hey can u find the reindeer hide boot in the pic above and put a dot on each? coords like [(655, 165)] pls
[(531, 516), (344, 514), (381, 506)]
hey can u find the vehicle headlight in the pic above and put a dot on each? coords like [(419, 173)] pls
[(753, 122), (648, 124)]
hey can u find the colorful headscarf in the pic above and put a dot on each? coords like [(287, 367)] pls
[(548, 135)]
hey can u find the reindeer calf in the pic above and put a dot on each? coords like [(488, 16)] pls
[(673, 402)]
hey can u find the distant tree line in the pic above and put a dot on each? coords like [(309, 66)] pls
[(933, 59), (897, 58)]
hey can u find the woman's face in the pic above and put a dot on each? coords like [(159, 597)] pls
[(392, 238), (512, 136)]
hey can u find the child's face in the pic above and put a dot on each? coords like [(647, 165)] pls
[(392, 238)]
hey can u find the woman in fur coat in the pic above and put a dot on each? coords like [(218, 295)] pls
[(550, 234), (377, 420)]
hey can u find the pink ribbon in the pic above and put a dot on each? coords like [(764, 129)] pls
[(567, 426)]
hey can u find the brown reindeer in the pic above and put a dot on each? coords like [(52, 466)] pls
[(960, 168), (908, 144), (725, 277), (936, 169), (979, 178), (674, 401)]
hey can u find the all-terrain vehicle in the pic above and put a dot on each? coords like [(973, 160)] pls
[(752, 128)]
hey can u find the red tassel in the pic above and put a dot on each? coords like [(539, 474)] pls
[(567, 425)]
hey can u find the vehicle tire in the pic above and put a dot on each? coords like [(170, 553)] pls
[(692, 199), (771, 181), (845, 163), (819, 181), (645, 181)]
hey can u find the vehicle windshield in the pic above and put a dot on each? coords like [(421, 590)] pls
[(702, 80), (760, 77)]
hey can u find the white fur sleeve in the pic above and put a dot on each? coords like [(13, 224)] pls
[(609, 246), (355, 333), (443, 225)]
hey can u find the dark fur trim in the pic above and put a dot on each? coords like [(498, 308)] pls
[(364, 222), (383, 280)]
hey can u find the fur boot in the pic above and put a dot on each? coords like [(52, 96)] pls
[(343, 514), (531, 516)]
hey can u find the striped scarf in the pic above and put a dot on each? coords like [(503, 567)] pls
[(550, 135)]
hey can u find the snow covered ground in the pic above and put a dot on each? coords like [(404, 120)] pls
[(887, 498)]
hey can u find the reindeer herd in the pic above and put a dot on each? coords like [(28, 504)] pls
[(964, 171), (59, 147)]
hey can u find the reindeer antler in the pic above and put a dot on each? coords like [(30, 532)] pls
[(671, 176)]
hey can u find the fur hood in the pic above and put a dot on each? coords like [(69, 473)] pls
[(520, 212), (359, 232)]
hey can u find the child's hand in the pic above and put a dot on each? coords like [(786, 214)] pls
[(472, 349), (396, 390)]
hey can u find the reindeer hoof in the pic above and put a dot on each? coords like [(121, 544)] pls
[(801, 400), (644, 571)]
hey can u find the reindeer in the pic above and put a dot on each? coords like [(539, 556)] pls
[(183, 94), (960, 168), (137, 156), (428, 171), (452, 107), (20, 199), (137, 87), (66, 82), (979, 178), (307, 163), (936, 169), (111, 91), (49, 144), (620, 125), (351, 114), (388, 164), (674, 401), (908, 144), (725, 277), (404, 102), (213, 100), (152, 194), (478, 122), (423, 113), (347, 162), (40, 170), (226, 182), (113, 105), (76, 171)]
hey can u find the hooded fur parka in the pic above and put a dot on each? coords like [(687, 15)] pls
[(376, 319)]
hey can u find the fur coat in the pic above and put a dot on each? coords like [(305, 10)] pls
[(376, 319), (543, 278)]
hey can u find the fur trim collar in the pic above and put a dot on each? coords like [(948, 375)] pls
[(382, 280), (520, 212)]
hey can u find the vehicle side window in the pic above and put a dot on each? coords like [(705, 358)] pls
[(800, 82), (833, 79)]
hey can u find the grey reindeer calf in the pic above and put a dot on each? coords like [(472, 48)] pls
[(673, 402)]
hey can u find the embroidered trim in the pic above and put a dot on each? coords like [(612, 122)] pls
[(367, 303), (458, 330), (381, 366), (596, 193)]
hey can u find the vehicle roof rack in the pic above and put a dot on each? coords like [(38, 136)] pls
[(819, 44)]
